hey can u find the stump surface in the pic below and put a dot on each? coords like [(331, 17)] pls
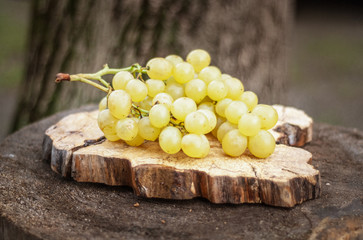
[(37, 203)]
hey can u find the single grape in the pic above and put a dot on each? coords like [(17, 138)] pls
[(137, 141), (221, 106), (234, 143), (159, 116), (103, 104), (121, 79), (217, 90), (170, 140), (163, 98), (250, 99), (119, 103), (174, 89), (159, 68), (220, 121), (211, 117), (225, 76), (267, 114), (209, 74), (182, 107), (137, 90), (262, 145), (235, 88), (235, 110), (194, 145), (183, 72), (207, 106), (199, 59), (147, 131), (127, 129), (174, 59), (196, 122), (249, 124), (107, 124), (154, 87), (146, 104), (224, 128), (196, 89)]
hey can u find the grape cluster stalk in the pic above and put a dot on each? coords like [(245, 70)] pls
[(177, 102)]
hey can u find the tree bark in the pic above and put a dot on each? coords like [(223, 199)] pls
[(246, 39)]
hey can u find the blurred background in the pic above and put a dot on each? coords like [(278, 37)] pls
[(324, 60)]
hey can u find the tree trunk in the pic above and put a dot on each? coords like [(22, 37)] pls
[(246, 39)]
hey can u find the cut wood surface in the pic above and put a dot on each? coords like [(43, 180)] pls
[(76, 149), (36, 203)]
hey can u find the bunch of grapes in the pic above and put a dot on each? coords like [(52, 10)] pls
[(178, 102)]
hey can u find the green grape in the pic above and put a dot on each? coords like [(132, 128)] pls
[(249, 124), (147, 131), (220, 121), (137, 141), (234, 143), (196, 122), (221, 106), (196, 89), (159, 116), (107, 123), (174, 59), (159, 68), (224, 128), (211, 117), (137, 90), (174, 89), (163, 98), (194, 145), (146, 104), (235, 88), (103, 104), (235, 110), (183, 72), (154, 87), (217, 90), (225, 76), (207, 106), (250, 99), (121, 79), (119, 103), (170, 140), (267, 114), (182, 107), (199, 59), (209, 74), (262, 145), (127, 129)]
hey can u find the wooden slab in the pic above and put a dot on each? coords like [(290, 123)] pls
[(284, 179)]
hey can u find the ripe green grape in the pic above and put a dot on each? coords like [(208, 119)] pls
[(127, 129), (235, 88), (225, 76), (174, 59), (217, 90), (262, 145), (182, 107), (235, 110), (147, 131), (267, 114), (174, 89), (249, 124), (196, 89), (137, 90), (159, 68), (107, 123), (183, 72), (146, 104), (221, 106), (159, 116), (220, 121), (170, 140), (121, 79), (250, 99), (163, 98), (207, 106), (137, 141), (196, 122), (154, 87), (224, 128), (194, 145), (119, 103), (199, 59), (234, 143), (211, 117), (209, 74), (103, 104)]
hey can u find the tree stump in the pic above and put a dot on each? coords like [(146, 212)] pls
[(76, 149), (36, 203)]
